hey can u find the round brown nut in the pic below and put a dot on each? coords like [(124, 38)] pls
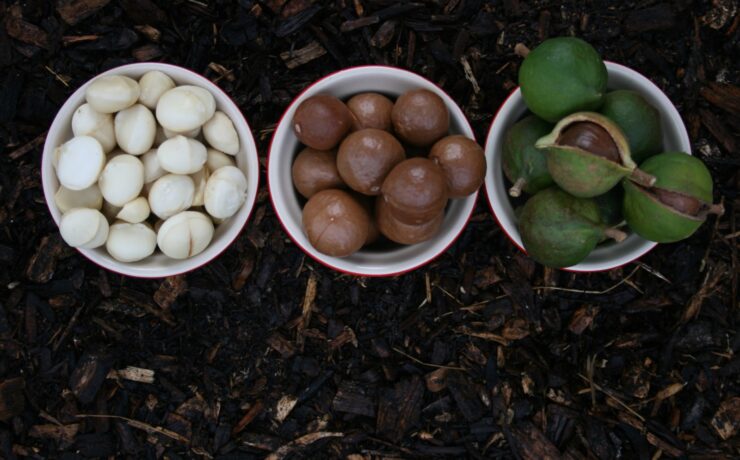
[(368, 202), (403, 233), (315, 170), (420, 117), (371, 110), (416, 191), (322, 121), (463, 162), (365, 157), (335, 223)]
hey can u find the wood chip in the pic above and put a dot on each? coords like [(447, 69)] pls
[(723, 95), (303, 441), (88, 376), (726, 420), (12, 400), (284, 407), (399, 409), (248, 418), (61, 433), (170, 289), (43, 263), (354, 398), (308, 53), (74, 11), (436, 380), (308, 299), (530, 443), (582, 319), (134, 374), (280, 344), (24, 31), (714, 275)]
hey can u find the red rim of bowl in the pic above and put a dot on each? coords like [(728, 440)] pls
[(114, 70), (489, 198), (285, 227)]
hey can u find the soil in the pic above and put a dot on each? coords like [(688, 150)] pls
[(263, 353)]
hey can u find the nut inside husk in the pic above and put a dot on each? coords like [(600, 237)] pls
[(587, 155)]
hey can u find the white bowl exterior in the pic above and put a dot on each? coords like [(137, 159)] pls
[(607, 256), (343, 84), (159, 265)]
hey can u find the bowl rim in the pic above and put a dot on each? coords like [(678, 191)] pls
[(162, 66), (473, 197), (683, 138)]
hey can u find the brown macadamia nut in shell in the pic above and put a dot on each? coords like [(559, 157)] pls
[(371, 110), (463, 162), (315, 170), (420, 117), (322, 121), (335, 223), (403, 233), (366, 157), (415, 190)]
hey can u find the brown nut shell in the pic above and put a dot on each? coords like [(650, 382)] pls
[(366, 157), (368, 202), (335, 223), (315, 170), (420, 117), (463, 162), (403, 233), (416, 191), (322, 121), (371, 110)]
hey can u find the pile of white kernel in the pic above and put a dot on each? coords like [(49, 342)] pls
[(134, 180)]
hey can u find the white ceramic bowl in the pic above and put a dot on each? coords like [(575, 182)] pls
[(159, 265), (607, 256), (343, 84)]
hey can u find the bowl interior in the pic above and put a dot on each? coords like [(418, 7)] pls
[(285, 145), (605, 256), (159, 265)]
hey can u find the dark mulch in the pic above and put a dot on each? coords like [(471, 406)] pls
[(480, 354)]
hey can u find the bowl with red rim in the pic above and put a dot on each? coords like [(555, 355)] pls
[(392, 259), (605, 256), (158, 265)]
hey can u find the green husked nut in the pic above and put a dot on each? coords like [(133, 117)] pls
[(587, 155), (524, 164), (639, 121), (679, 202), (562, 76), (560, 230), (610, 205)]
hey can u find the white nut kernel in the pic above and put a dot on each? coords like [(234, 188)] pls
[(84, 228), (226, 191), (122, 179), (87, 122), (80, 161), (153, 85), (185, 234), (217, 159), (171, 194), (152, 170), (134, 211), (135, 129), (185, 107), (130, 242), (219, 132), (67, 199), (181, 155), (111, 93)]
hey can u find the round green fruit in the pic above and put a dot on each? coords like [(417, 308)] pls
[(561, 76), (679, 202), (524, 164), (560, 230), (638, 120)]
